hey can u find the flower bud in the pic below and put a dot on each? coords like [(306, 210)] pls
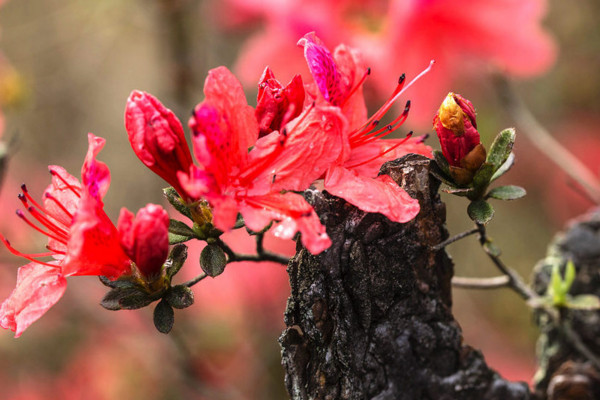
[(276, 104), (157, 137), (456, 128), (145, 238)]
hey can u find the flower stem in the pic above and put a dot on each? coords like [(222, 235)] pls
[(261, 253)]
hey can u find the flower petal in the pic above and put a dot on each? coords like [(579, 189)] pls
[(312, 143), (38, 288), (381, 195), (294, 215), (95, 175)]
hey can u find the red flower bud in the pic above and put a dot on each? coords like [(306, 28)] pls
[(157, 137), (456, 128), (276, 104), (145, 238)]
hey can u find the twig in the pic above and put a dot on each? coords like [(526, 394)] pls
[(480, 283), (264, 255), (195, 280), (515, 280), (453, 239), (545, 142), (579, 345)]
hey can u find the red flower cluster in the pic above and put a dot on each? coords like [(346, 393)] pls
[(81, 240), (292, 142)]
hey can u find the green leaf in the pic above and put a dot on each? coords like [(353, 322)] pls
[(164, 317), (176, 260), (117, 284), (180, 296), (126, 299), (584, 302), (213, 260), (569, 275), (482, 177), (509, 192), (176, 201), (179, 232), (501, 148), (441, 162), (480, 211), (504, 167)]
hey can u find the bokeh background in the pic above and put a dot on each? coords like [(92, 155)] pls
[(68, 66)]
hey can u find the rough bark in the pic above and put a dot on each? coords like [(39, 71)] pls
[(564, 372), (370, 318)]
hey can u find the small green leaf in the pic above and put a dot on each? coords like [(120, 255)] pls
[(180, 296), (176, 260), (569, 275), (482, 177), (126, 299), (117, 284), (179, 232), (176, 201), (480, 211), (441, 162), (584, 302), (239, 222), (509, 192), (501, 148), (164, 317), (504, 167), (213, 260)]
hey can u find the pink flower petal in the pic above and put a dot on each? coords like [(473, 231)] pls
[(379, 195), (95, 175), (38, 288)]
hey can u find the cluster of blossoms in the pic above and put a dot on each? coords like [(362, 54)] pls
[(251, 164)]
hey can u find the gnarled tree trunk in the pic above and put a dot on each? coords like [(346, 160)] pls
[(370, 318)]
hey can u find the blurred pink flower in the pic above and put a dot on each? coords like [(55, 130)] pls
[(401, 36)]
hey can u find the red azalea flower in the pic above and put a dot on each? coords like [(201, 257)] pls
[(234, 180), (338, 79), (81, 240), (157, 137), (277, 104)]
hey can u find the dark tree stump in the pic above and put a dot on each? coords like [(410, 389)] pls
[(370, 318)]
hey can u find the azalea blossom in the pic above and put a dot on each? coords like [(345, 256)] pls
[(81, 240), (338, 79), (465, 37), (234, 180), (296, 148)]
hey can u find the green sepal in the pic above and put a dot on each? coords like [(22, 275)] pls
[(126, 299), (176, 201), (504, 167), (176, 260), (442, 176), (164, 317), (239, 222), (480, 211), (179, 232), (213, 260), (509, 192), (179, 296), (501, 148)]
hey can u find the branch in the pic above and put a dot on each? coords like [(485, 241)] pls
[(545, 142), (453, 239), (480, 283)]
